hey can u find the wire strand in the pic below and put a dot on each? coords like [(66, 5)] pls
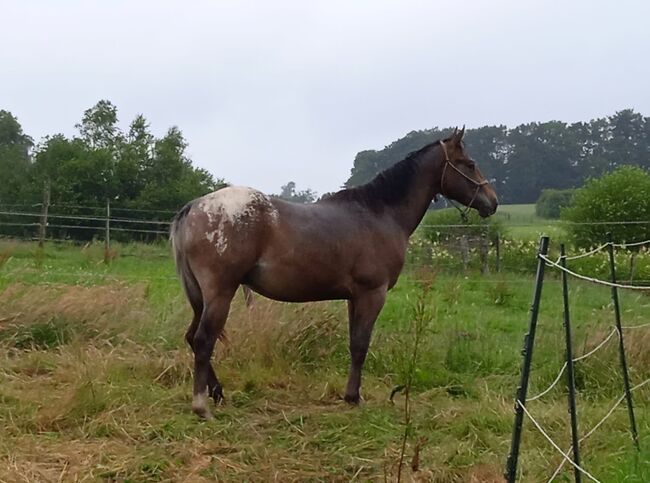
[(548, 438), (551, 263)]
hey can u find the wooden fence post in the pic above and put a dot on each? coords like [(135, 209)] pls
[(42, 230), (485, 251), (464, 250), (497, 243), (107, 235)]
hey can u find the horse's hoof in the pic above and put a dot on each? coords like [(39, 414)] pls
[(200, 406), (203, 413), (217, 395), (352, 400)]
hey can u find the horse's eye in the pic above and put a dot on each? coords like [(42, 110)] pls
[(471, 165)]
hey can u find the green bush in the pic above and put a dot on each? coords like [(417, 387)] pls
[(551, 202), (616, 197)]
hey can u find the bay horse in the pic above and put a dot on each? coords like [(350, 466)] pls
[(349, 246)]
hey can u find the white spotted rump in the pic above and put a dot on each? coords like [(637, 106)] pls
[(233, 205)]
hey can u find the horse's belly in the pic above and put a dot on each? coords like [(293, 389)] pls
[(298, 284)]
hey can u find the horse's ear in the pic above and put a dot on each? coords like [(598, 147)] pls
[(457, 136)]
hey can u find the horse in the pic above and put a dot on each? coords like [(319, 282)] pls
[(349, 245)]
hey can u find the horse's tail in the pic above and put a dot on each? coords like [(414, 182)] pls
[(177, 238)]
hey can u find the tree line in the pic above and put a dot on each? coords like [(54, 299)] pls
[(134, 169), (524, 160)]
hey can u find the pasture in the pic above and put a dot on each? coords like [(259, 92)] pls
[(95, 378), (523, 224)]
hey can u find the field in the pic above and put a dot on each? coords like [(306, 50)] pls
[(523, 224), (95, 378)]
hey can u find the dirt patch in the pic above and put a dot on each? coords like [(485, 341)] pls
[(484, 473)]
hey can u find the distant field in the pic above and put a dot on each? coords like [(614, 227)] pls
[(522, 223), (523, 213), (95, 379)]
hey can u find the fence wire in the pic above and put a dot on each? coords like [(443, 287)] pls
[(554, 444), (598, 425), (553, 264)]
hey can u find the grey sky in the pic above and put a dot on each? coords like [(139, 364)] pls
[(267, 92)]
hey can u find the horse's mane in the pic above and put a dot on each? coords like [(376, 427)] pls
[(389, 187)]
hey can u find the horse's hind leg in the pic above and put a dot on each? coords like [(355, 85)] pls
[(214, 386), (363, 311), (210, 327)]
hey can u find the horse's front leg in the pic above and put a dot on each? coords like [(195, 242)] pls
[(362, 311)]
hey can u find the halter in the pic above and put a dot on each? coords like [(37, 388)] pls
[(478, 184)]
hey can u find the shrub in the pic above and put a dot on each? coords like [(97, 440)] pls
[(551, 202), (619, 196)]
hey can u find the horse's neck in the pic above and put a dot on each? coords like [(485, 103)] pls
[(424, 187)]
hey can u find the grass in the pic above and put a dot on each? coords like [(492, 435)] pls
[(95, 380)]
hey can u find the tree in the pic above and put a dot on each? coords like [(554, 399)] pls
[(15, 158), (135, 158), (616, 197), (288, 192), (64, 164), (170, 179), (98, 127)]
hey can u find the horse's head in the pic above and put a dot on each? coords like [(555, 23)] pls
[(461, 180)]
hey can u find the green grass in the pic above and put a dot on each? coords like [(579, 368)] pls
[(95, 379)]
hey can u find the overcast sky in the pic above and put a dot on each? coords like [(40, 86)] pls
[(271, 91)]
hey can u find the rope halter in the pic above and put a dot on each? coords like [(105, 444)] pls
[(478, 184)]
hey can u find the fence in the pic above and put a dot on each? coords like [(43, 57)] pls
[(521, 398), (45, 221), (457, 246)]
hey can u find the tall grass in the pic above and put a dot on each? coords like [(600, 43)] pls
[(95, 379)]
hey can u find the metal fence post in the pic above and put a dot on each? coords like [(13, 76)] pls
[(570, 376), (529, 340), (621, 344)]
